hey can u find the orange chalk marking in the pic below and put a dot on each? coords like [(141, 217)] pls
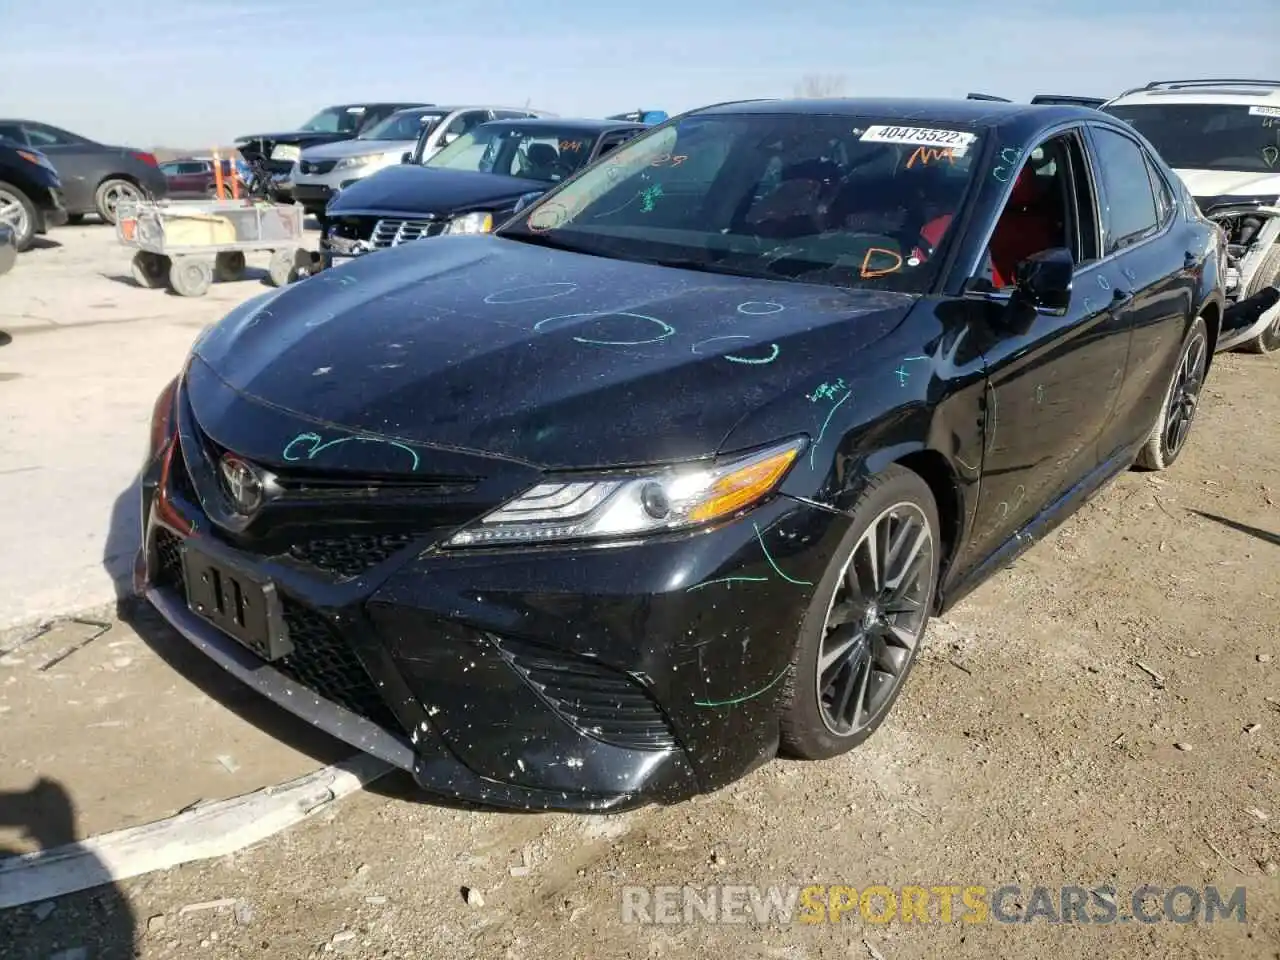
[(867, 273), (927, 155)]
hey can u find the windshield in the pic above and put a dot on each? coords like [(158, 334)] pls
[(403, 125), (546, 153), (818, 199), (336, 120), (1206, 136)]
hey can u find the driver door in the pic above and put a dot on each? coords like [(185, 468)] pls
[(1052, 379)]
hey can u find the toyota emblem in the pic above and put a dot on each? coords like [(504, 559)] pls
[(243, 484)]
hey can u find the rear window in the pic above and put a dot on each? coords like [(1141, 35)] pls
[(1208, 136)]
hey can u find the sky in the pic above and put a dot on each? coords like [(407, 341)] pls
[(196, 73)]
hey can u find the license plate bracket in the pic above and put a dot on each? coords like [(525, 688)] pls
[(244, 608)]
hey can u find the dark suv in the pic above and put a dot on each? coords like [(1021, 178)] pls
[(30, 192)]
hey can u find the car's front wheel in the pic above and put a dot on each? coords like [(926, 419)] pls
[(18, 213), (867, 620), (1267, 275), (1178, 412)]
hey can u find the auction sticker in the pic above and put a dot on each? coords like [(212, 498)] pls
[(1264, 111), (956, 141)]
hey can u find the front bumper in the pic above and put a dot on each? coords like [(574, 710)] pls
[(545, 678), (53, 213)]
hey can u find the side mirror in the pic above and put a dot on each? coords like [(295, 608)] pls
[(525, 200), (406, 157), (1044, 279)]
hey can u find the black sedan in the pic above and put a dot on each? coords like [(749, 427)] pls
[(95, 177), (30, 194), (468, 187), (671, 471)]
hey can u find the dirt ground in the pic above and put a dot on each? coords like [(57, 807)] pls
[(1106, 711)]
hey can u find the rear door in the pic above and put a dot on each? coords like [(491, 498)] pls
[(81, 163), (1155, 284)]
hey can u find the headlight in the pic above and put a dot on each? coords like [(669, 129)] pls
[(347, 163), (38, 159), (471, 223), (638, 503)]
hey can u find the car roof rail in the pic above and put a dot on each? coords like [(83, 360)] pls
[(1208, 82), (987, 96)]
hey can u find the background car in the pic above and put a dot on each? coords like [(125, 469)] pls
[(30, 192), (470, 186), (675, 466), (192, 177), (276, 153), (95, 177), (324, 170), (1222, 138), (648, 117)]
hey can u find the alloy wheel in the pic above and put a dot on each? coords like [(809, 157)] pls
[(1185, 396), (14, 213), (115, 193), (876, 619)]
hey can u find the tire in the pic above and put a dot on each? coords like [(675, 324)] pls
[(228, 266), (1169, 434), (810, 726), (150, 270), (190, 277), (20, 213), (289, 266), (109, 194), (1267, 275)]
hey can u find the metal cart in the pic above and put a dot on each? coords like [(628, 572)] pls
[(189, 244)]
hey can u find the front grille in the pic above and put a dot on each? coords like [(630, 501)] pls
[(595, 699), (321, 660), (317, 166), (324, 663), (352, 555), (390, 233), (169, 561)]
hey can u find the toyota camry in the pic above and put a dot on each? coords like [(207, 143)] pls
[(668, 473)]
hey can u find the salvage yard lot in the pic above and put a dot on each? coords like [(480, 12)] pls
[(1106, 711)]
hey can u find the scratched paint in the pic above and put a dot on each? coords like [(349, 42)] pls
[(823, 431), (746, 696), (665, 329), (531, 292), (308, 446)]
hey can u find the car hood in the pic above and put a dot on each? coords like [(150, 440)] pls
[(356, 148), (1219, 183), (490, 345), (413, 189), (295, 136)]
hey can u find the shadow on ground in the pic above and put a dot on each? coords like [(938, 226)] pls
[(96, 924), (1271, 538)]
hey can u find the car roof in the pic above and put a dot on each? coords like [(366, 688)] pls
[(573, 123), (1026, 117), (1223, 92)]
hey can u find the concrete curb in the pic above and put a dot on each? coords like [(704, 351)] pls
[(207, 830)]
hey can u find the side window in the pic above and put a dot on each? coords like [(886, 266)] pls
[(170, 169), (1126, 184), (41, 136), (193, 166), (612, 142), (13, 132), (1050, 205), (1163, 193), (464, 122)]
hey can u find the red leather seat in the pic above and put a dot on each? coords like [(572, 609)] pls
[(1027, 225)]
